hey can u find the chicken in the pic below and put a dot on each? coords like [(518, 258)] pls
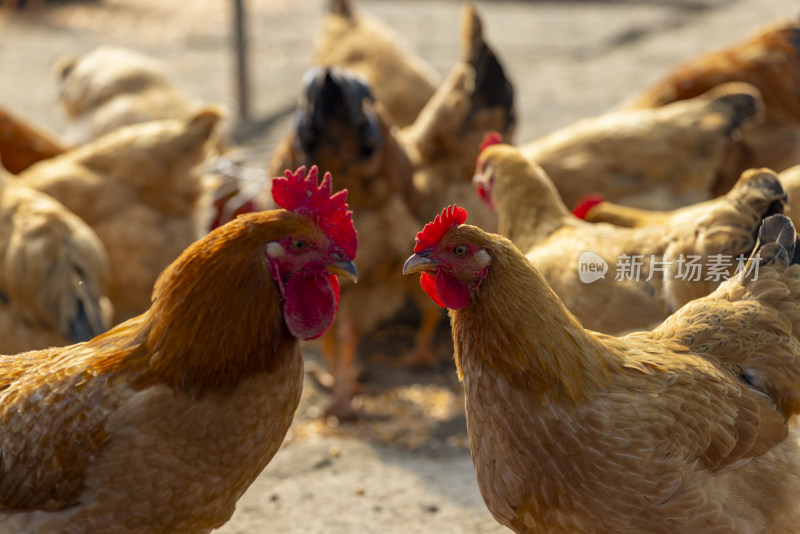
[(444, 141), (23, 144), (647, 273), (342, 129), (400, 79), (54, 275), (679, 429), (161, 424), (140, 190), (769, 59), (594, 208), (111, 87), (658, 159)]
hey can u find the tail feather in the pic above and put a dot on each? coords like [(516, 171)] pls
[(340, 7), (776, 241), (492, 87)]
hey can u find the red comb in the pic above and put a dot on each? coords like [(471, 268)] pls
[(489, 139), (585, 204), (299, 193), (430, 235)]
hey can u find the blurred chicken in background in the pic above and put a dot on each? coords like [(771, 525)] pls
[(769, 59), (444, 141), (399, 78), (53, 273), (140, 189), (342, 129), (22, 143), (661, 158), (110, 86)]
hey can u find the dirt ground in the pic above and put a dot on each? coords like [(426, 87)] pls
[(408, 468)]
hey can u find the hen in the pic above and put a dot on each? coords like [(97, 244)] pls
[(769, 59), (53, 284), (442, 144), (110, 87), (682, 429), (659, 158), (22, 144), (160, 424), (360, 42), (140, 190), (648, 272), (342, 129)]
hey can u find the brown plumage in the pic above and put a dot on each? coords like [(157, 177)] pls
[(476, 97), (661, 158), (682, 429), (360, 42), (196, 394), (769, 59), (22, 144), (54, 280), (532, 215), (140, 190), (342, 129), (109, 87)]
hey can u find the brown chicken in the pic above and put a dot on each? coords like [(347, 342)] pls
[(110, 87), (660, 158), (769, 59), (682, 429), (53, 284), (140, 189), (22, 144), (360, 42), (342, 129), (444, 141), (647, 273), (161, 424)]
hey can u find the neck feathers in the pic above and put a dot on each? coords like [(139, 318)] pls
[(516, 325), (531, 207), (216, 316)]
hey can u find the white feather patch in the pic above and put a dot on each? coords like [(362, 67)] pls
[(274, 250)]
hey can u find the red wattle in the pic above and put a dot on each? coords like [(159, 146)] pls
[(429, 286), (311, 301), (452, 292)]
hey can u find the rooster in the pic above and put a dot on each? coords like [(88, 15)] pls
[(161, 424), (681, 429), (649, 276)]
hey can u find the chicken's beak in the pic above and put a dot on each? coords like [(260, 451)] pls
[(417, 263), (344, 268)]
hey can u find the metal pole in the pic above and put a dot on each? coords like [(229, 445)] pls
[(240, 45)]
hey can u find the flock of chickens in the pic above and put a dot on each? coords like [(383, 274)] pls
[(162, 304)]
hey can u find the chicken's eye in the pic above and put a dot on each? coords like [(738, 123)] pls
[(460, 250), (298, 246)]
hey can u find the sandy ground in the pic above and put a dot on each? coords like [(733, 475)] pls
[(409, 470)]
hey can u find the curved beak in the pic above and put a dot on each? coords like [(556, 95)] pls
[(417, 263), (344, 268)]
